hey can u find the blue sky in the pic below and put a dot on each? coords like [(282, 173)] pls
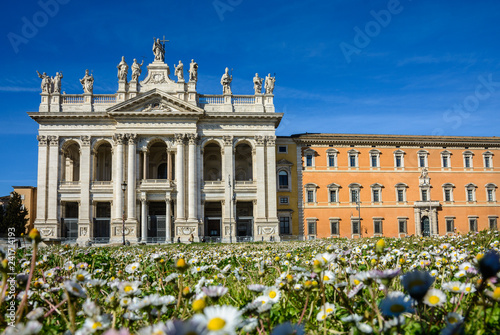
[(348, 66)]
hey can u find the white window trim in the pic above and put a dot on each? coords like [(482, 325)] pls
[(336, 221), (450, 187), (333, 187), (425, 154), (402, 187), (375, 153), (427, 190), (313, 153), (475, 219), (314, 222), (284, 203), (357, 187), (354, 220), (356, 158), (470, 155), (492, 187), (472, 187), (282, 145), (310, 187), (488, 154), (405, 220), (289, 174), (452, 219), (446, 154), (381, 220), (399, 153), (492, 217), (377, 187), (334, 153)]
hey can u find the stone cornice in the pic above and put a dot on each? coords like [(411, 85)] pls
[(397, 140)]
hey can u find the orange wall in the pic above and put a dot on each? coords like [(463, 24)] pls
[(388, 176)]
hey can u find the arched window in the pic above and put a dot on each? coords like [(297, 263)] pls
[(283, 179)]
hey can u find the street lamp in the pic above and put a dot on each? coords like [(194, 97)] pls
[(124, 187)]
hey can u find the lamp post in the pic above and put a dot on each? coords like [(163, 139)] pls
[(124, 187)]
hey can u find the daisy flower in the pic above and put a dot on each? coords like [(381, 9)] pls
[(325, 311), (131, 268), (454, 286), (434, 297), (273, 294), (328, 277), (219, 320), (417, 283)]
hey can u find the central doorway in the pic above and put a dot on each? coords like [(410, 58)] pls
[(244, 221), (213, 221), (426, 227), (157, 222)]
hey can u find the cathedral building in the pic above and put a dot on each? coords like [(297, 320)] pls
[(156, 161)]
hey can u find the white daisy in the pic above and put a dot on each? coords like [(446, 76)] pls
[(219, 320), (434, 297)]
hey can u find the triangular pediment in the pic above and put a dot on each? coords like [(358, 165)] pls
[(155, 102), (284, 162)]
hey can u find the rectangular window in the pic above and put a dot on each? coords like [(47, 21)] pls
[(401, 196), (377, 226), (333, 196), (467, 161), (445, 161), (374, 161), (398, 161), (493, 223), (284, 225), (402, 226), (311, 227), (282, 149), (490, 195), (376, 195), (354, 196), (334, 226), (447, 195), (284, 200), (355, 227), (486, 162), (352, 160), (309, 160), (310, 196), (473, 225), (331, 160), (470, 195), (449, 226), (424, 195), (421, 161)]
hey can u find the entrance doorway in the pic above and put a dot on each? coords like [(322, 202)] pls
[(70, 221), (213, 221), (102, 222), (157, 222), (426, 227), (244, 221)]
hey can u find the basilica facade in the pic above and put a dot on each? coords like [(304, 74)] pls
[(157, 161)]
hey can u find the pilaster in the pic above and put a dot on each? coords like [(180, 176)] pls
[(55, 102), (41, 181), (52, 230), (179, 176), (260, 169), (131, 178), (228, 176), (272, 216), (84, 224), (192, 181)]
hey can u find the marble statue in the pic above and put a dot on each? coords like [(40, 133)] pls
[(46, 82), (257, 84), (87, 82), (226, 82), (269, 84), (56, 82), (159, 50), (193, 71), (179, 71), (122, 70), (424, 173), (136, 69)]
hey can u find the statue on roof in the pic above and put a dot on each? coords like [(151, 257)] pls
[(269, 84), (136, 69), (226, 82), (159, 50), (122, 70), (87, 82), (179, 71), (257, 84), (56, 82), (46, 82), (193, 71)]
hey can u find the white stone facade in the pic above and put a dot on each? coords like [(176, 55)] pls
[(193, 164)]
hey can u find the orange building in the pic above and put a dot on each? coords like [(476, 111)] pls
[(28, 198), (392, 185)]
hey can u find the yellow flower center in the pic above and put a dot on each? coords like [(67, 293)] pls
[(181, 263), (356, 282), (128, 288), (272, 294), (134, 267), (496, 293), (326, 278), (329, 310), (434, 299), (452, 319), (198, 305), (216, 324), (468, 289), (396, 308), (455, 288), (323, 316), (96, 325), (80, 277)]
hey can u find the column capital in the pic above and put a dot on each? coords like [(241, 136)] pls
[(85, 140), (118, 138), (179, 138), (131, 138), (42, 140), (271, 140), (53, 140), (259, 139), (228, 140), (192, 138)]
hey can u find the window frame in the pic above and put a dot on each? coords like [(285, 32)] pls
[(423, 154), (488, 160), (468, 157), (473, 227), (355, 154), (287, 217), (355, 187), (401, 187), (355, 222), (376, 188), (334, 222), (491, 188), (287, 202), (311, 226), (282, 146), (448, 220), (375, 154), (448, 187), (312, 153), (493, 219), (311, 187), (472, 189), (378, 221), (404, 222), (399, 156), (331, 153), (446, 157), (288, 177), (333, 188)]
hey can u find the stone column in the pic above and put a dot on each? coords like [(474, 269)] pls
[(41, 196), (52, 201), (169, 165), (228, 172), (118, 167), (84, 224), (144, 165), (260, 171), (179, 176), (131, 177), (144, 218), (168, 222), (271, 178), (192, 182)]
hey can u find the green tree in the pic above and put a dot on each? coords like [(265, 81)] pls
[(2, 214), (15, 215)]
